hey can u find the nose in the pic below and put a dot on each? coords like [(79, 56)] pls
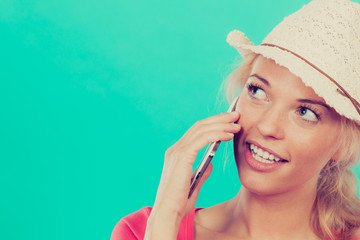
[(272, 123)]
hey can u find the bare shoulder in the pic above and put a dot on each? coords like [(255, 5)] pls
[(210, 223), (211, 217)]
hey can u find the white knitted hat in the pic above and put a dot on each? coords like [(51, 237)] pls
[(320, 43)]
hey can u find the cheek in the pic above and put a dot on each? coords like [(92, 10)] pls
[(249, 114), (248, 119), (311, 151), (319, 142)]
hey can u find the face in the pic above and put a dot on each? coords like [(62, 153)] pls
[(288, 132)]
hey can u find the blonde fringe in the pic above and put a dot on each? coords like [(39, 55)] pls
[(336, 210)]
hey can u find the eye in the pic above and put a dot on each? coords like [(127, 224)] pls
[(256, 92), (308, 114)]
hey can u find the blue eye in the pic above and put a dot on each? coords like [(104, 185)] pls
[(256, 92), (307, 114)]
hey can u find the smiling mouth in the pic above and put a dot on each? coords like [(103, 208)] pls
[(263, 156)]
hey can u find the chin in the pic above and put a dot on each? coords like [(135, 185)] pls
[(259, 183), (261, 190)]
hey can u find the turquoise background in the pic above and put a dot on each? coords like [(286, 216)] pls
[(92, 94)]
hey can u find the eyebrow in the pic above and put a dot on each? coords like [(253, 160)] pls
[(261, 79), (314, 102), (299, 100)]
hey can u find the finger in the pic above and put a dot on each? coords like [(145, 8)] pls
[(208, 125), (225, 127), (222, 117), (195, 134), (202, 139)]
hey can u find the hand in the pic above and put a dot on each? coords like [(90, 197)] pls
[(172, 202)]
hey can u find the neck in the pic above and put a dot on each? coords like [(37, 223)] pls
[(282, 216)]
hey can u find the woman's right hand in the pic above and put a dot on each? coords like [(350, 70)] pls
[(172, 202)]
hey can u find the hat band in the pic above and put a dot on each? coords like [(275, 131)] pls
[(340, 89)]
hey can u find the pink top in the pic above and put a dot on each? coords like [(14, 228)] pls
[(133, 226)]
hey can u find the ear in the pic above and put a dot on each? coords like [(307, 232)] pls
[(339, 154), (337, 150), (336, 155)]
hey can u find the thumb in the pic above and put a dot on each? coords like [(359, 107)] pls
[(205, 176)]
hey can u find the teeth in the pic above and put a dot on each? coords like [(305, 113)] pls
[(260, 159), (263, 156), (260, 152)]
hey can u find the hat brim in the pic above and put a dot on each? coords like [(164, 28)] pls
[(311, 77)]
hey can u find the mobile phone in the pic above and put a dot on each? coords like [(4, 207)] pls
[(208, 156)]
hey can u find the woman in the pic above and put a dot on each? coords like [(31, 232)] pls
[(296, 132)]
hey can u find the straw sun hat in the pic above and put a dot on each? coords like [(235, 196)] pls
[(320, 43)]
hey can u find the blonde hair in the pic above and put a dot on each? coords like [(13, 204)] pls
[(336, 210)]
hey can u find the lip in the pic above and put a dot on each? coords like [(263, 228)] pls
[(260, 166)]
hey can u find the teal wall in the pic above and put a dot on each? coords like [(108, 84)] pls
[(92, 94)]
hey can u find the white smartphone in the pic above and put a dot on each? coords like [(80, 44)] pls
[(208, 156)]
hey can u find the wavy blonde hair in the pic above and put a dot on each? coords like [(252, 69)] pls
[(336, 210)]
